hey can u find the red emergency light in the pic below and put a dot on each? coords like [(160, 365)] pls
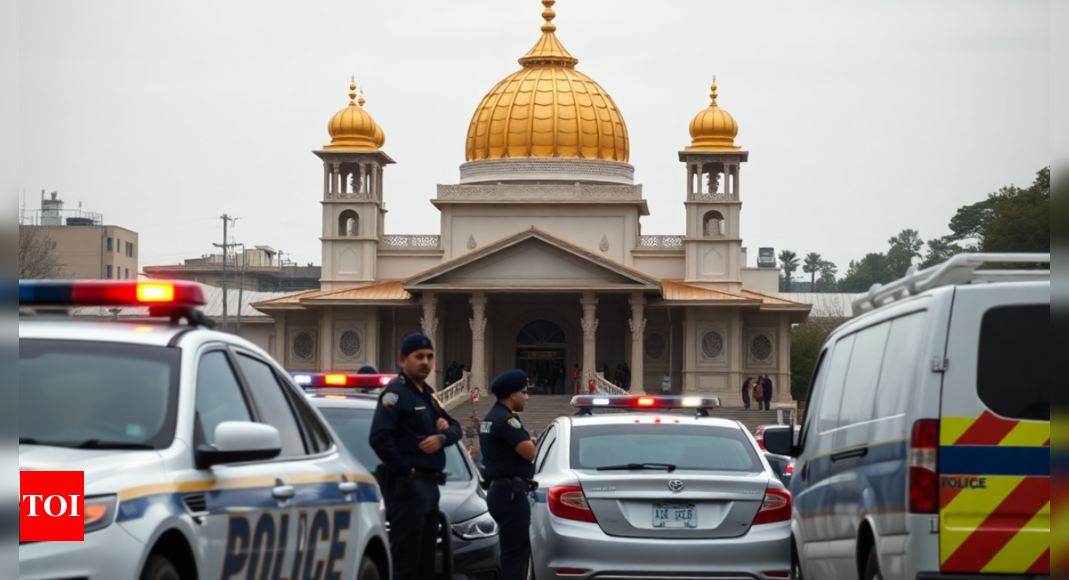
[(105, 293), (587, 403), (341, 380)]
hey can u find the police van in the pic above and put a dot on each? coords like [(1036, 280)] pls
[(925, 449), (201, 459)]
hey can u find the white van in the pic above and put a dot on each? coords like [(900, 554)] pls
[(925, 449)]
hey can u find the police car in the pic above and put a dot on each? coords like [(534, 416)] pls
[(201, 459), (652, 493), (925, 451)]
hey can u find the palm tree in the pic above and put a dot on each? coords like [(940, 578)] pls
[(811, 266), (789, 261)]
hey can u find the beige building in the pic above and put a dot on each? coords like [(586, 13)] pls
[(86, 248), (541, 260)]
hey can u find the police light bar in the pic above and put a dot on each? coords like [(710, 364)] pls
[(75, 293), (341, 381), (587, 403)]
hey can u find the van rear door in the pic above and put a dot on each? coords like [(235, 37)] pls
[(994, 456)]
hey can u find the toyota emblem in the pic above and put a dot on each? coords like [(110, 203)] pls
[(675, 486)]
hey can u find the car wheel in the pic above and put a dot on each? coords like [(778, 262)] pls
[(159, 568), (368, 570), (872, 568)]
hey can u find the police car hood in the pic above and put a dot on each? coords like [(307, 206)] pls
[(462, 501), (97, 464)]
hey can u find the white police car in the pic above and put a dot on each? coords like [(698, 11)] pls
[(202, 460)]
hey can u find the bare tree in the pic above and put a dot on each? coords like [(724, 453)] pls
[(38, 259)]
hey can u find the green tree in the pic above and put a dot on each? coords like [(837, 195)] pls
[(828, 273), (968, 222), (807, 339), (940, 250), (1020, 218), (905, 247), (811, 266), (789, 262), (874, 268)]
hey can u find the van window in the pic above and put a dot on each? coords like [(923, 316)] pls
[(859, 395), (833, 387), (901, 363), (1013, 374)]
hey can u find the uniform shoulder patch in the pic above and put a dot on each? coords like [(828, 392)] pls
[(515, 423), (390, 399)]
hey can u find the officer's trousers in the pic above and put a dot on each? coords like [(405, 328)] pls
[(414, 530), (513, 517)]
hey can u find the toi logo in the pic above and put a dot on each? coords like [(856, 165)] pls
[(51, 506)]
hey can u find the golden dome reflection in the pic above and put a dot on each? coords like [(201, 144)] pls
[(548, 109), (352, 128), (713, 129)]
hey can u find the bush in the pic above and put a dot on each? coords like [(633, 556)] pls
[(807, 339)]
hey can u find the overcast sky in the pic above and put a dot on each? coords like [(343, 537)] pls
[(862, 118)]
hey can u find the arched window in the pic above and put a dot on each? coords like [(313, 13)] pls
[(348, 224), (713, 224), (540, 333)]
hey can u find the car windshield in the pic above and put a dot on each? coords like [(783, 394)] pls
[(688, 447), (97, 395), (353, 427)]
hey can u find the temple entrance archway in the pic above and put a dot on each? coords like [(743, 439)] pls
[(541, 351)]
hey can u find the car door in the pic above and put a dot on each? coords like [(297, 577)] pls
[(994, 455), (247, 509), (539, 513), (328, 483)]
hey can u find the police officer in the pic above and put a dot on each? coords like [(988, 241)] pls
[(410, 433), (508, 464)]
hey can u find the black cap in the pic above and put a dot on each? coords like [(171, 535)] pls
[(367, 370), (414, 343), (508, 383)]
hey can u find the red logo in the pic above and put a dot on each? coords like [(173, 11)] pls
[(51, 506)]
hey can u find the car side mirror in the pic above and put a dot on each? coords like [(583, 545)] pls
[(780, 440), (239, 442)]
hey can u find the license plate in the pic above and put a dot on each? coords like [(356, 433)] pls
[(675, 516)]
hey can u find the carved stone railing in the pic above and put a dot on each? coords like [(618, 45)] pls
[(416, 242), (660, 242), (507, 191), (604, 387), (455, 392), (712, 197)]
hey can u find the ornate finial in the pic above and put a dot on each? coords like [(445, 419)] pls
[(352, 91), (361, 101), (549, 15), (713, 93)]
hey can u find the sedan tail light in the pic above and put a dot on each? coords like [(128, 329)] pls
[(776, 507), (570, 503)]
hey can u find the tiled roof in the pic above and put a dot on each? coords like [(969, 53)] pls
[(672, 290), (391, 290), (290, 299), (769, 299)]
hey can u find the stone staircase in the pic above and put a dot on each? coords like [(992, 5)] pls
[(543, 409)]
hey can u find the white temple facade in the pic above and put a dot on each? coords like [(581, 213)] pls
[(541, 262)]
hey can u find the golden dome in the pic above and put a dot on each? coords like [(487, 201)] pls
[(713, 129), (353, 129), (548, 109)]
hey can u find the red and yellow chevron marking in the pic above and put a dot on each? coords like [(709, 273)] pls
[(1059, 492), (995, 524)]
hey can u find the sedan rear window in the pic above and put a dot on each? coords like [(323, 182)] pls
[(97, 395), (688, 447), (353, 427)]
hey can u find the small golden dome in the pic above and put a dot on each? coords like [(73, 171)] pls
[(353, 129), (548, 109), (713, 129)]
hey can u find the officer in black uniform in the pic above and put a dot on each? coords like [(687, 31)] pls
[(508, 464), (410, 433)]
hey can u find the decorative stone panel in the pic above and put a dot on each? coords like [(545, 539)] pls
[(655, 346)]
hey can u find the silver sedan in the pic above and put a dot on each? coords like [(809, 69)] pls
[(656, 493)]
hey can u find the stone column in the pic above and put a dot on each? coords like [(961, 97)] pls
[(638, 333), (590, 333), (281, 344), (326, 180), (363, 179), (782, 388), (478, 340), (326, 339), (738, 171), (690, 181), (336, 178), (429, 324), (372, 179)]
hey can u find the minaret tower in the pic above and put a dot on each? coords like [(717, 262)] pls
[(353, 210), (713, 242)]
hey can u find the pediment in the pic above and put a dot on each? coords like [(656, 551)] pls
[(533, 261)]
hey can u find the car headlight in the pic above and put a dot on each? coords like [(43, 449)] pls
[(476, 528), (99, 512)]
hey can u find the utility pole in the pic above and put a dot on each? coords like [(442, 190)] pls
[(241, 287), (227, 220)]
